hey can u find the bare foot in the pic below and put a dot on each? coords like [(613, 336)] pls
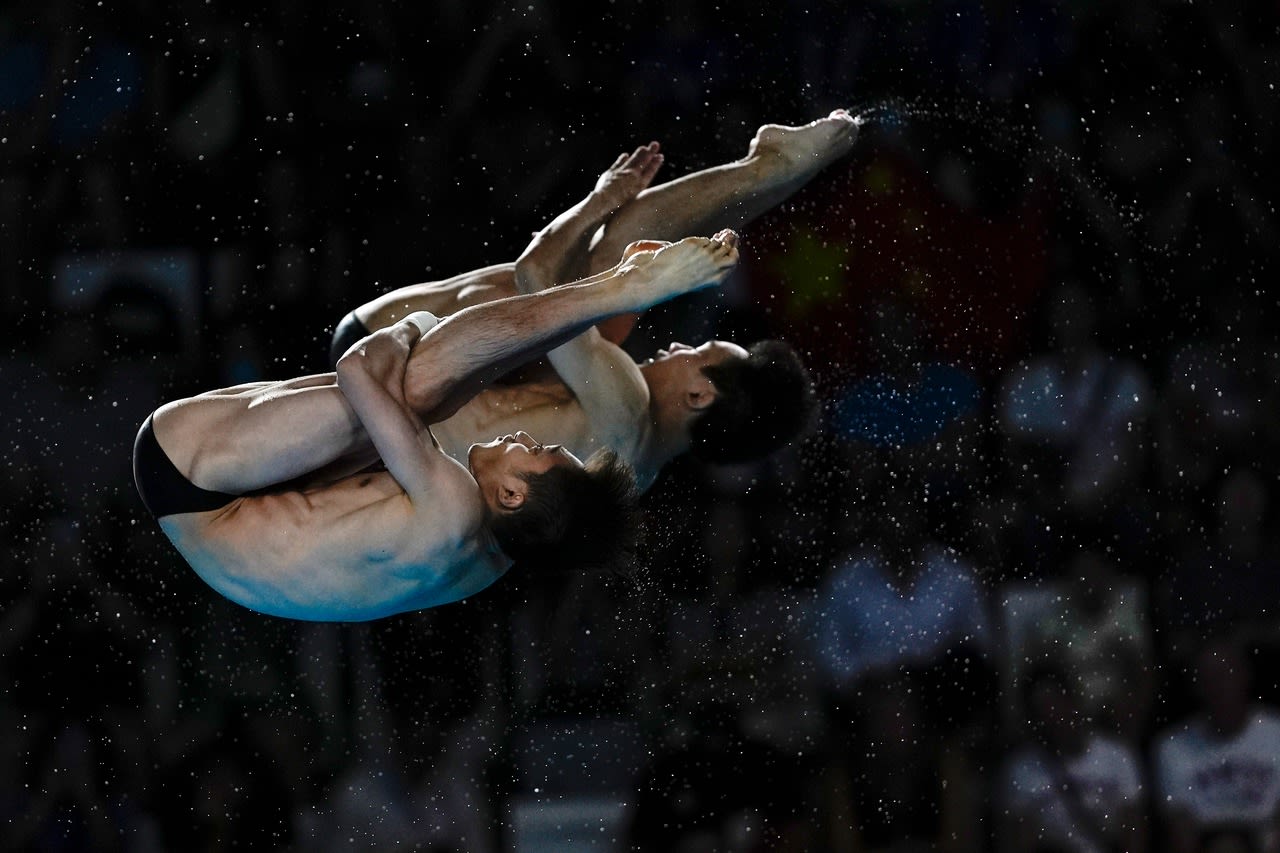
[(677, 268), (810, 146), (642, 246)]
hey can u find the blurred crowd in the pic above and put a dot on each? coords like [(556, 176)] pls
[(1015, 592)]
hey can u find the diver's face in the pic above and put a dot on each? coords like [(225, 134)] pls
[(676, 376), (516, 455), (682, 357)]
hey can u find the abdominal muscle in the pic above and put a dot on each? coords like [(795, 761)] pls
[(351, 551), (548, 411)]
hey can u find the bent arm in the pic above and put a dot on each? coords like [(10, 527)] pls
[(608, 384), (371, 376), (562, 248), (605, 380)]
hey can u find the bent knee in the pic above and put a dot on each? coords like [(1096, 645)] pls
[(199, 440), (422, 394), (215, 463)]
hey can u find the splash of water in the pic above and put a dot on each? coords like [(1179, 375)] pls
[(1116, 221)]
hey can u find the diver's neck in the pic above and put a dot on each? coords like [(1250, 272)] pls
[(668, 431)]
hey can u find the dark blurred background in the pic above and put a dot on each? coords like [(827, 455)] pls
[(1016, 592)]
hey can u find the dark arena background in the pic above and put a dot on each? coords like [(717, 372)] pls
[(1015, 591)]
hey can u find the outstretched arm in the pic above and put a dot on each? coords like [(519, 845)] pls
[(453, 362)]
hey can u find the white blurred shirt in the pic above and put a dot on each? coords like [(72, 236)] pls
[(1107, 777), (1090, 414), (1231, 782)]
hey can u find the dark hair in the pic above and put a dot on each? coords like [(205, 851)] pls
[(762, 402), (575, 518)]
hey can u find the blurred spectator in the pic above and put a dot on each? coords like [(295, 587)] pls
[(909, 397), (1218, 769), (1223, 570), (1069, 787), (1096, 628), (1011, 515), (1074, 412), (579, 645), (1210, 406), (711, 786), (903, 643), (915, 406), (413, 778), (893, 779), (900, 601)]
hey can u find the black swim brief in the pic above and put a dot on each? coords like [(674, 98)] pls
[(163, 489), (348, 331)]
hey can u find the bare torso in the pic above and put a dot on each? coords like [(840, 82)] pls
[(548, 410), (352, 550)]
